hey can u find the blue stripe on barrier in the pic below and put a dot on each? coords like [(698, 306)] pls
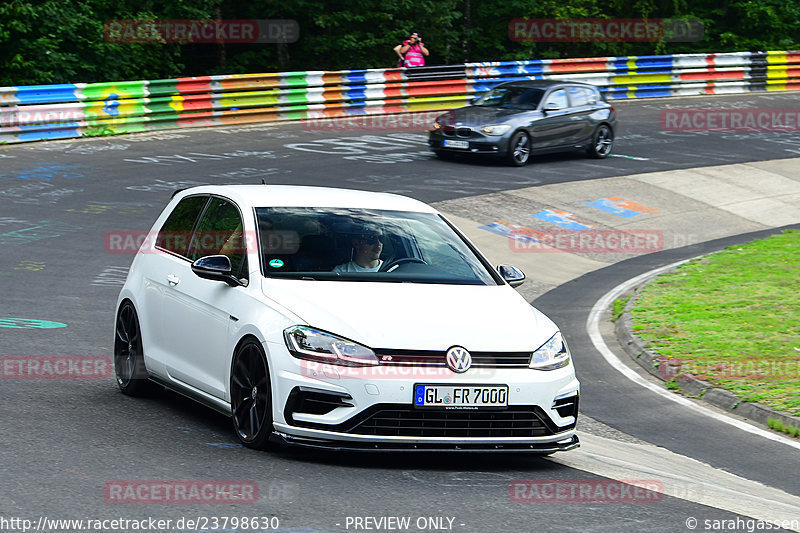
[(35, 133), (356, 93), (46, 94), (357, 76)]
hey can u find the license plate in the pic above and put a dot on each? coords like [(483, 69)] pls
[(455, 144), (460, 396)]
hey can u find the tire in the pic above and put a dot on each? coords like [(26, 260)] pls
[(519, 149), (602, 142), (129, 367), (251, 396)]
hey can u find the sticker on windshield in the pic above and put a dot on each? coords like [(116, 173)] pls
[(276, 263)]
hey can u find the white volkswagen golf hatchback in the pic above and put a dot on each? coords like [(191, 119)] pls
[(341, 319)]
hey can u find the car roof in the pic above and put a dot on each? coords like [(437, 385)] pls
[(308, 196), (545, 84)]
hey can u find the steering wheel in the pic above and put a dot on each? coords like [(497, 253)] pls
[(386, 267)]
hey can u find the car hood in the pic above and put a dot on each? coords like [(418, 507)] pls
[(479, 115), (416, 316)]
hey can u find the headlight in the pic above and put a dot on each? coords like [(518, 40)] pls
[(305, 342), (551, 355), (495, 129)]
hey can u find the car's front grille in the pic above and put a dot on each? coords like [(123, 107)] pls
[(457, 131), (403, 421), (436, 358)]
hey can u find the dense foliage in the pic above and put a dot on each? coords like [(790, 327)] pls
[(62, 41)]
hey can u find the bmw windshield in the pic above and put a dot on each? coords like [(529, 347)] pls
[(366, 245), (511, 97)]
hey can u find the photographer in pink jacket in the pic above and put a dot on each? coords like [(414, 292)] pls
[(414, 51)]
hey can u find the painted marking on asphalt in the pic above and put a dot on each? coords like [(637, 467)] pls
[(621, 207), (593, 329), (635, 158), (565, 219), (29, 323), (513, 231)]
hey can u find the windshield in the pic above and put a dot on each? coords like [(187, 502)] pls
[(511, 97), (365, 245)]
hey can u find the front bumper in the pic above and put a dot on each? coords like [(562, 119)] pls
[(569, 442), (477, 144), (320, 405)]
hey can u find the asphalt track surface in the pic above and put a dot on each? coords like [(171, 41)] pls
[(63, 440)]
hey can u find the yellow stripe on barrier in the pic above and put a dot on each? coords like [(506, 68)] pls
[(638, 79)]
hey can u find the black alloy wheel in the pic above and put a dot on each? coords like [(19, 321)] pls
[(129, 365), (602, 142), (519, 149), (251, 396)]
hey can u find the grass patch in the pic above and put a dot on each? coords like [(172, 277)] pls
[(618, 308), (731, 319), (777, 425)]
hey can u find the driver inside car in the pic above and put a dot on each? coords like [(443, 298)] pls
[(367, 248)]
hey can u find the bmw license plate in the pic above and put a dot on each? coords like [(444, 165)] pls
[(447, 143), (461, 396)]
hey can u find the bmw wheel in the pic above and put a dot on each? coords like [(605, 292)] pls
[(129, 366), (251, 397), (519, 149), (602, 142)]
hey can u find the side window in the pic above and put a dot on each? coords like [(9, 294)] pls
[(174, 234), (220, 232), (559, 98), (581, 96)]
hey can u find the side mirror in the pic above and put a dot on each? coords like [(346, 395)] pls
[(551, 106), (216, 268), (512, 275)]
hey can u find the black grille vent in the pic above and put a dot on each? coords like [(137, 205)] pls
[(410, 422), (566, 406)]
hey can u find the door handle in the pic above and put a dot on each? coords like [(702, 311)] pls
[(173, 280)]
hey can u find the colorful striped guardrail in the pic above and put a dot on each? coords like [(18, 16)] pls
[(31, 113)]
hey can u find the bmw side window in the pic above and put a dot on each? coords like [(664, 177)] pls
[(220, 232), (559, 98), (580, 96), (174, 234)]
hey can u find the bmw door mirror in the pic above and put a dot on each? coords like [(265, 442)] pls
[(512, 275), (216, 268), (551, 106)]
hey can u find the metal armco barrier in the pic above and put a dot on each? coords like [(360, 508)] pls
[(32, 113)]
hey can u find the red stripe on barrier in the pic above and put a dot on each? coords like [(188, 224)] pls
[(713, 75), (578, 65)]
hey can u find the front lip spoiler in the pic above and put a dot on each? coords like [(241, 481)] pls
[(354, 446)]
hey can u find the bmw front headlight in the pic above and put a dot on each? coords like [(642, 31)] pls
[(551, 355), (305, 342), (495, 129)]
